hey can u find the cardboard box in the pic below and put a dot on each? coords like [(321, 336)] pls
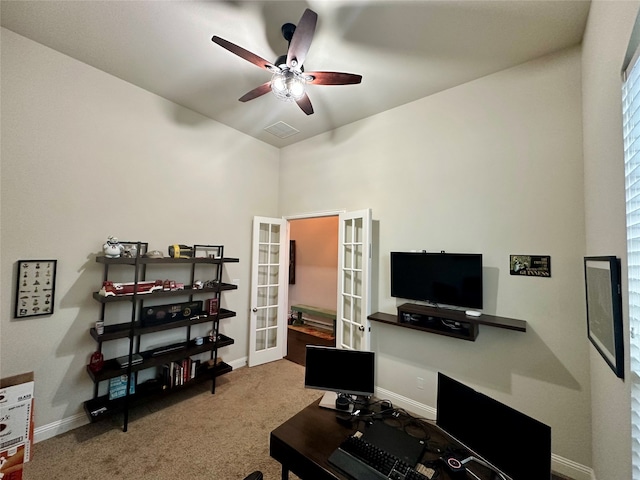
[(16, 424), (12, 463)]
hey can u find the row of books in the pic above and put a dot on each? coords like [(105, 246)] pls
[(173, 374), (179, 372), (118, 387)]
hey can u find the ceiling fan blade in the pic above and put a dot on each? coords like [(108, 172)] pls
[(333, 78), (256, 92), (246, 54), (305, 104), (301, 40)]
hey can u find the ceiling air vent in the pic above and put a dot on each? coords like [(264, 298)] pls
[(281, 130)]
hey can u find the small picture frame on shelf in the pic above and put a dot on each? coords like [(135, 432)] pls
[(35, 288), (208, 251), (211, 306)]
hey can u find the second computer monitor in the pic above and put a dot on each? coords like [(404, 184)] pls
[(350, 372)]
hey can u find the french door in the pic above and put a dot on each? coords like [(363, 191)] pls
[(269, 284), (267, 331), (354, 279)]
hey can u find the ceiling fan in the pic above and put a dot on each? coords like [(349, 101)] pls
[(289, 79)]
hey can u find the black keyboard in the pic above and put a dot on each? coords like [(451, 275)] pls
[(364, 461)]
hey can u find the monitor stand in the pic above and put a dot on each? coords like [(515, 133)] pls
[(329, 401)]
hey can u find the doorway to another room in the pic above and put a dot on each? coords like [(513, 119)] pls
[(313, 283), (348, 259)]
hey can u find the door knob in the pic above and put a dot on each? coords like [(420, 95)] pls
[(361, 328), (254, 310)]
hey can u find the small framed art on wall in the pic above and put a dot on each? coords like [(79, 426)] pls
[(35, 288), (604, 309)]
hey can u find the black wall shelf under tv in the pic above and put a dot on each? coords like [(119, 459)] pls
[(452, 323)]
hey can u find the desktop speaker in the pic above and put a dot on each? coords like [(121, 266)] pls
[(453, 464), (342, 402)]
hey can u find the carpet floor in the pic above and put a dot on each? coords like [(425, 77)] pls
[(193, 435)]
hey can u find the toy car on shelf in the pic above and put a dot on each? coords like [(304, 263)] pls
[(110, 289), (170, 285)]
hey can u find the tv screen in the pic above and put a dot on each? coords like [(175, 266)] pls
[(510, 441), (440, 278), (343, 371)]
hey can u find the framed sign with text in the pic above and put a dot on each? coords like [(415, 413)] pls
[(530, 265)]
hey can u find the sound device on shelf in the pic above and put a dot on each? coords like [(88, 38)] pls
[(159, 314)]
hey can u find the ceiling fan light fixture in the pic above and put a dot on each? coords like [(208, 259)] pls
[(288, 85), (288, 80)]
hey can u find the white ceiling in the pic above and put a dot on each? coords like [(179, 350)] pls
[(405, 50)]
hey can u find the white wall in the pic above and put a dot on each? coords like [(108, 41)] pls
[(86, 155), (316, 262), (605, 44), (493, 166)]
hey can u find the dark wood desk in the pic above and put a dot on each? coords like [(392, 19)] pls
[(304, 443)]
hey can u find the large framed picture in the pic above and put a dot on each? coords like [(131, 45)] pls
[(604, 309), (35, 288)]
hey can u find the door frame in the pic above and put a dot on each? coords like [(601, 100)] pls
[(283, 330), (302, 216)]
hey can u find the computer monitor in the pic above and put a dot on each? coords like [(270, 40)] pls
[(510, 442), (345, 372)]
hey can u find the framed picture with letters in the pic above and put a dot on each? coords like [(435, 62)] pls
[(35, 288)]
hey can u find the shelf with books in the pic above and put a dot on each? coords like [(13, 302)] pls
[(111, 368), (193, 353), (102, 407)]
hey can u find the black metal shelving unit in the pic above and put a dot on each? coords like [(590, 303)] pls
[(101, 406)]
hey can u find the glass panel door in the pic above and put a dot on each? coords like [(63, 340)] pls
[(267, 335), (354, 267)]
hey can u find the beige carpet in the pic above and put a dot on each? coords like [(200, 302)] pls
[(190, 436), (193, 435)]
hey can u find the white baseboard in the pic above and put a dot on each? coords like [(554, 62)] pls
[(559, 464), (241, 362), (571, 469), (67, 424), (417, 408), (57, 428)]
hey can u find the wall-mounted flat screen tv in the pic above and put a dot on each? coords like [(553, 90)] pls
[(453, 279)]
